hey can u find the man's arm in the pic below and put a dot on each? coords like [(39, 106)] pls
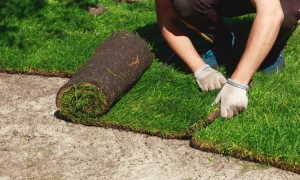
[(175, 36), (207, 78), (264, 31)]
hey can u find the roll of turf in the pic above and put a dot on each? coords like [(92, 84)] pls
[(115, 67)]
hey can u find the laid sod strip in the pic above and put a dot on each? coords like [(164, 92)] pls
[(269, 130), (113, 69), (164, 102), (274, 141)]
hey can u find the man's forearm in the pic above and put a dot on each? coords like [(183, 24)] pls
[(207, 78), (182, 46), (176, 38), (262, 36)]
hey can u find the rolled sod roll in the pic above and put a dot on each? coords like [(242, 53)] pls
[(114, 68)]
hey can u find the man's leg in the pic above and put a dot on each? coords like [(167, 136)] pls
[(275, 60), (291, 8), (203, 16)]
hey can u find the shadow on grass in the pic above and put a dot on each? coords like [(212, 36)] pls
[(17, 9), (20, 9)]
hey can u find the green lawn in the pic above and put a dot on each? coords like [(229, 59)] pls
[(54, 37), (269, 131)]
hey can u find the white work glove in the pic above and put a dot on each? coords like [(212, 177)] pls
[(233, 99), (209, 79)]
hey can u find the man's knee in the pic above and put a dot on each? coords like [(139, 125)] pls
[(182, 8), (291, 10), (192, 8)]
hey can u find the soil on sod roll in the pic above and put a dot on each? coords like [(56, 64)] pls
[(114, 68)]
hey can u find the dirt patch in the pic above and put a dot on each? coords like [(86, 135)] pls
[(34, 144), (96, 9)]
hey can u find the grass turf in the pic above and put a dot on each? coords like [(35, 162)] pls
[(53, 37), (153, 106), (56, 37), (269, 130)]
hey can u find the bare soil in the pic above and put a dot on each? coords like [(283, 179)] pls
[(35, 144)]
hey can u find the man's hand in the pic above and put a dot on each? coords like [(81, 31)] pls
[(209, 79), (233, 99)]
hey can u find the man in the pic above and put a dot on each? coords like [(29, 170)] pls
[(273, 25)]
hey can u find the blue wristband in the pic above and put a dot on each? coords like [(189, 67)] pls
[(236, 84)]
